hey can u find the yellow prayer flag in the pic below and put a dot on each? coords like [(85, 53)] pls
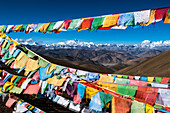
[(4, 43), (44, 27), (55, 81), (51, 68), (90, 92), (17, 28), (150, 79), (120, 76), (110, 20), (149, 108)]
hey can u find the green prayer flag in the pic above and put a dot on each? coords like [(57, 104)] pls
[(125, 76), (23, 27), (42, 62), (158, 79), (7, 45), (97, 22), (7, 56), (157, 106), (122, 81), (105, 98), (58, 69), (126, 90), (38, 27), (74, 23), (50, 27), (16, 80), (4, 26), (16, 90), (132, 21), (168, 13), (3, 50), (30, 54)]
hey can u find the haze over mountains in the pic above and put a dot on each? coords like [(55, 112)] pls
[(76, 44), (103, 58), (98, 60)]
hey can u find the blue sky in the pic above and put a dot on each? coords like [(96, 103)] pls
[(36, 11)]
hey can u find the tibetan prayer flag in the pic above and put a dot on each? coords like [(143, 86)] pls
[(32, 89), (22, 62), (55, 81), (95, 103), (126, 90), (74, 23), (132, 22), (167, 18), (9, 28), (125, 76), (67, 23), (44, 27), (51, 68), (38, 27), (150, 79), (110, 21), (31, 65), (57, 26), (124, 19), (28, 28), (131, 77), (120, 105), (143, 78), (97, 22), (33, 27), (109, 85), (158, 79), (16, 90), (50, 27), (105, 98), (147, 94), (17, 27), (90, 92), (151, 18), (137, 107), (23, 27), (86, 24), (161, 13), (11, 101), (149, 108), (42, 73), (165, 80), (138, 83), (42, 62), (122, 81), (120, 76), (142, 17)]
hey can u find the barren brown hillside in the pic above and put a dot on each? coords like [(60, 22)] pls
[(158, 65)]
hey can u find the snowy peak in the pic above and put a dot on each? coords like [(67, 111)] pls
[(76, 44), (149, 44)]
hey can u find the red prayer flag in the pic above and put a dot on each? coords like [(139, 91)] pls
[(86, 24), (147, 94), (67, 23), (122, 105), (160, 13), (165, 80)]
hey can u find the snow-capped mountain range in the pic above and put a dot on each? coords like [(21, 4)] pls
[(76, 44)]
